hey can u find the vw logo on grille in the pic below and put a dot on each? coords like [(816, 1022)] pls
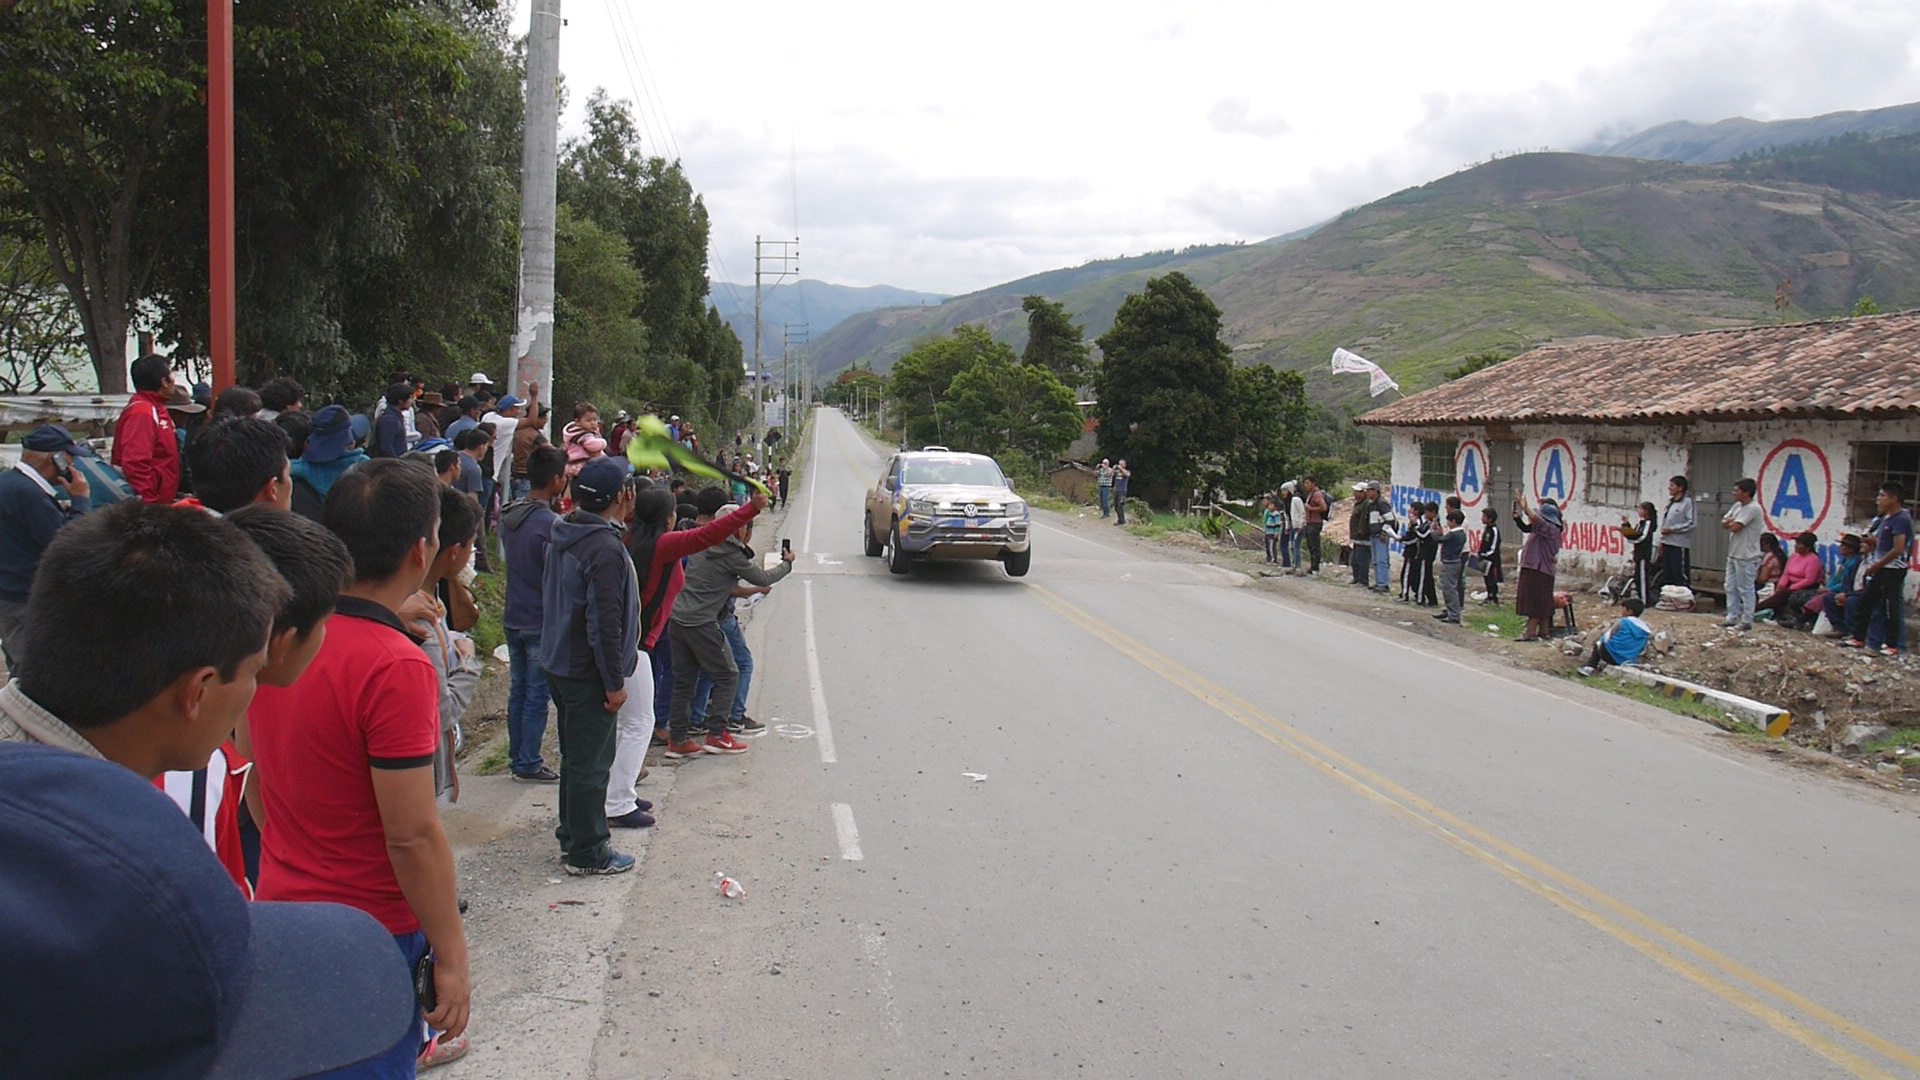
[(972, 509)]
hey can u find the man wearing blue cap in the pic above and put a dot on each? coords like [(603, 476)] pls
[(589, 645), (30, 514), (130, 953)]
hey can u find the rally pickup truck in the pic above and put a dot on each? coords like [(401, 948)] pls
[(936, 504)]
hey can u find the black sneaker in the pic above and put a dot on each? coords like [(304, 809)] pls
[(747, 725), (541, 775), (637, 818), (615, 863)]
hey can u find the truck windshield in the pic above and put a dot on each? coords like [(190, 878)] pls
[(951, 471)]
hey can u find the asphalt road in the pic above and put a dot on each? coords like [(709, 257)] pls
[(1223, 834)]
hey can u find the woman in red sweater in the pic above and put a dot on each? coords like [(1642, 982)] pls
[(656, 551)]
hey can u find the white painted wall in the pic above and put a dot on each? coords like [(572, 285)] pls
[(1777, 454)]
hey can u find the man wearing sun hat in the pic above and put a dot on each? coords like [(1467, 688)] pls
[(30, 514), (330, 453)]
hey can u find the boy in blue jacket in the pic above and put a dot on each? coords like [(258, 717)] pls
[(1624, 641)]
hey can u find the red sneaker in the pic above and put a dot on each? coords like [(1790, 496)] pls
[(725, 743), (688, 749)]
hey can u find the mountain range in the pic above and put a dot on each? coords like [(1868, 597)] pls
[(819, 305), (1525, 250)]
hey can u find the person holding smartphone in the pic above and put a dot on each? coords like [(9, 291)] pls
[(38, 496)]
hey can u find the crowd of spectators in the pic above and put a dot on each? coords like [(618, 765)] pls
[(286, 598)]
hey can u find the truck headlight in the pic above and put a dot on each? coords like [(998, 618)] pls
[(921, 507)]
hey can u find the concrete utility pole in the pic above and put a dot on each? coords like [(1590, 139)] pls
[(784, 256), (531, 358), (791, 334)]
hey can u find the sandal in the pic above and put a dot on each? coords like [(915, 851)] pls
[(442, 1051)]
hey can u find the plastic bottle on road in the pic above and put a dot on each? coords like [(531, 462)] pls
[(728, 887)]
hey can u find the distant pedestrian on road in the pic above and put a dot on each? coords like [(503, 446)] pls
[(1103, 483), (1489, 553), (1296, 525), (1318, 507), (1538, 559), (1885, 575), (1359, 543), (1380, 523), (1453, 567), (786, 481), (1742, 522), (1122, 477), (1273, 525), (1676, 535), (1640, 532)]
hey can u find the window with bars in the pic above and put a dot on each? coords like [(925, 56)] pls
[(1436, 464), (1875, 464), (1613, 474)]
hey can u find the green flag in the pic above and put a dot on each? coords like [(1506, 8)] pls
[(652, 447)]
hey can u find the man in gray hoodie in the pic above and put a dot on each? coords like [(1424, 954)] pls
[(589, 644), (699, 644)]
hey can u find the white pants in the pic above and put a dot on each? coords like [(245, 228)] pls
[(633, 728)]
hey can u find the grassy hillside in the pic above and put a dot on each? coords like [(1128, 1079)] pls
[(1501, 257), (1092, 291)]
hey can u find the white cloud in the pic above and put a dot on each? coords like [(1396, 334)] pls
[(950, 149)]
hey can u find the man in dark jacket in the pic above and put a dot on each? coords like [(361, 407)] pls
[(390, 428), (29, 516), (526, 530), (589, 644), (700, 645)]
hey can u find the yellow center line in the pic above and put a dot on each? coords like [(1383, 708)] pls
[(1615, 917)]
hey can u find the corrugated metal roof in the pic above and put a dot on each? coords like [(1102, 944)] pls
[(1863, 368)]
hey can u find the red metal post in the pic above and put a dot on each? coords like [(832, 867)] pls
[(220, 251)]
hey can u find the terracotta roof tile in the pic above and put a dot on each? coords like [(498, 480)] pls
[(1860, 368)]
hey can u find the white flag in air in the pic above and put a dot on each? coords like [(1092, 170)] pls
[(1378, 381)]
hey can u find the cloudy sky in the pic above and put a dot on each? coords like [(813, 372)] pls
[(951, 147)]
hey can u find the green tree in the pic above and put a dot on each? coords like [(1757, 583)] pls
[(377, 149), (1054, 341), (920, 378), (598, 342), (1865, 306), (997, 405), (1165, 387), (40, 339), (90, 101), (607, 177), (1270, 415)]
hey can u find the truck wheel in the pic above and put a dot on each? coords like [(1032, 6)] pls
[(873, 546), (897, 561), (1018, 562)]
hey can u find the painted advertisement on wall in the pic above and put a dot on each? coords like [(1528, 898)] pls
[(1795, 488)]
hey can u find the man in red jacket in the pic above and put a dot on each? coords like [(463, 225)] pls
[(145, 449)]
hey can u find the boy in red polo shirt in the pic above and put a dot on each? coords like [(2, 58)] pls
[(348, 757)]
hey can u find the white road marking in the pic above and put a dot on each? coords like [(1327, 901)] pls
[(822, 727), (849, 836)]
